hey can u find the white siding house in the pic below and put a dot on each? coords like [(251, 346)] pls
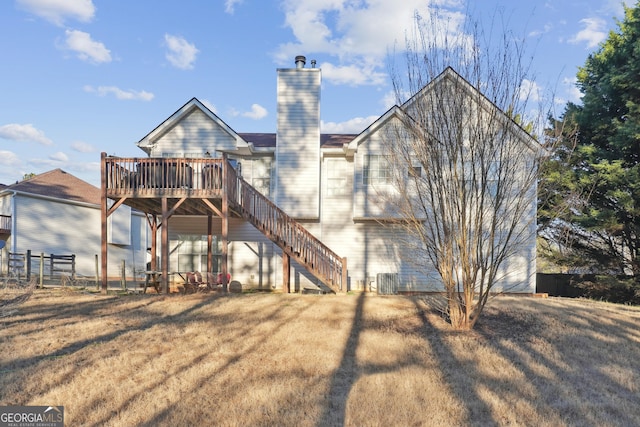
[(323, 181), (57, 213)]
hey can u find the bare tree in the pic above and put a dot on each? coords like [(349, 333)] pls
[(463, 166)]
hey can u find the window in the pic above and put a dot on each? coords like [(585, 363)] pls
[(376, 170), (415, 171), (192, 252), (336, 173), (119, 226)]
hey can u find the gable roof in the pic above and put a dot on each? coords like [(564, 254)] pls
[(245, 142), (58, 184), (147, 142), (463, 85), (449, 73), (392, 112)]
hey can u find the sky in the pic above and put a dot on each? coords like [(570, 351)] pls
[(81, 77)]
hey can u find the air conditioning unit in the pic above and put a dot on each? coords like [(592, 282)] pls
[(388, 283)]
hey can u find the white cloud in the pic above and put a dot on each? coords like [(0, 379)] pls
[(88, 171), (572, 90), (119, 93), (592, 34), (545, 29), (355, 125), (615, 7), (230, 5), (8, 158), (12, 167), (210, 106), (257, 112), (360, 34), (23, 133), (82, 147), (181, 54), (352, 74), (58, 11), (559, 101), (389, 99), (530, 91), (59, 157), (86, 48)]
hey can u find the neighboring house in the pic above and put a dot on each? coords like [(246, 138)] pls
[(322, 181), (57, 213)]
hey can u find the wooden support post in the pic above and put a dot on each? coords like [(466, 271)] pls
[(165, 245), (225, 221), (153, 263), (345, 278), (286, 272), (73, 267), (41, 272), (97, 272), (123, 275), (28, 264), (210, 243), (103, 209)]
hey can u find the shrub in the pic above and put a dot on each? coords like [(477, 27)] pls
[(621, 290)]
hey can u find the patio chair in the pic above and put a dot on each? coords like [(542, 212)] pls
[(193, 282), (214, 281)]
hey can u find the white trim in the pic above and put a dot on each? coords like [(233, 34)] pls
[(394, 111), (461, 83), (146, 143)]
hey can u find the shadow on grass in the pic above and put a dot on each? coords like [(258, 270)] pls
[(87, 310), (541, 367), (560, 371), (242, 327), (458, 373), (346, 375), (161, 416), (574, 372)]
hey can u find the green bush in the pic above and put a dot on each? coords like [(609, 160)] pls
[(611, 288)]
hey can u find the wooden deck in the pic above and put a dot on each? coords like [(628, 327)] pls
[(162, 187), (5, 226), (144, 182)]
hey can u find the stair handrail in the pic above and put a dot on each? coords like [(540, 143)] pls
[(286, 232)]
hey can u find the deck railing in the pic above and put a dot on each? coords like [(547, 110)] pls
[(156, 176), (5, 223)]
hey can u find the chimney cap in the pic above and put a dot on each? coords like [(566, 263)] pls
[(300, 61)]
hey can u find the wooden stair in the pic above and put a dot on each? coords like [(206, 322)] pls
[(288, 234), (195, 186)]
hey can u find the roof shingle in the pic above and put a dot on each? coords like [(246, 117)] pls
[(59, 184)]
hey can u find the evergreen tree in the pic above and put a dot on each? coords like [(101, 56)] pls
[(595, 193)]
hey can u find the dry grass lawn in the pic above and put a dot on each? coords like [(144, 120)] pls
[(305, 360)]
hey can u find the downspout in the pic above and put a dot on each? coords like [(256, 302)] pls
[(14, 219)]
